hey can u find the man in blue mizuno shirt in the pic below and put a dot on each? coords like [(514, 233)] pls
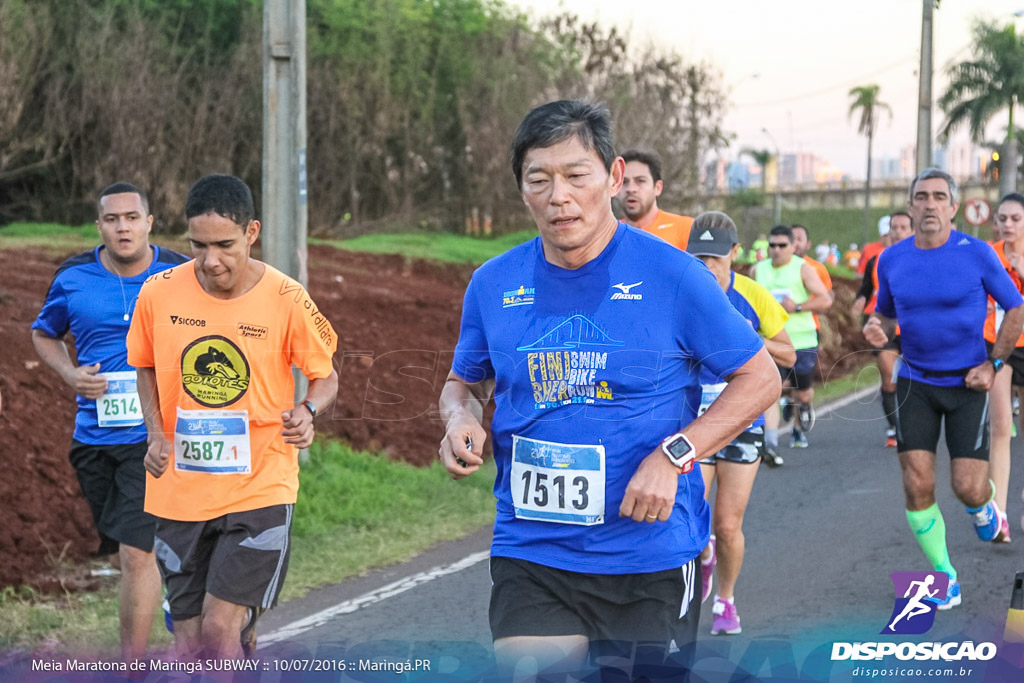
[(92, 296), (946, 370), (591, 338)]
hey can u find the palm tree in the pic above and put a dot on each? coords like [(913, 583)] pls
[(988, 84), (865, 98), (762, 158)]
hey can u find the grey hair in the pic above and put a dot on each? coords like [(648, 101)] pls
[(935, 173)]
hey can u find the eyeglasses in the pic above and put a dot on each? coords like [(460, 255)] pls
[(778, 245)]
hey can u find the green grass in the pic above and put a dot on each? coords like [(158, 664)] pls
[(434, 246), (842, 226), (850, 383), (52, 236), (355, 511), (76, 622)]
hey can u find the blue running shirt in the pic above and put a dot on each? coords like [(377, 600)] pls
[(940, 298), (606, 357), (91, 302)]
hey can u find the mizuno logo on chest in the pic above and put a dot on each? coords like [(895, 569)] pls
[(624, 292)]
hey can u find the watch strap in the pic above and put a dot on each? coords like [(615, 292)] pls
[(310, 407)]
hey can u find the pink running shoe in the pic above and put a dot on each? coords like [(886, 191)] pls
[(707, 572), (1003, 535), (726, 621)]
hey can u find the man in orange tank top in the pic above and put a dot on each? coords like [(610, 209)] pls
[(641, 187)]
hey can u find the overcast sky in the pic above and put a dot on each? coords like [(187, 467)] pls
[(807, 54)]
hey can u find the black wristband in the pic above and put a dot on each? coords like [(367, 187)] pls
[(310, 407)]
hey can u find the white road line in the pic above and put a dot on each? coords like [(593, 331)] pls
[(847, 400), (322, 617), (408, 583)]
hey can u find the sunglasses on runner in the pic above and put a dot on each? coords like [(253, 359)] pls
[(778, 245)]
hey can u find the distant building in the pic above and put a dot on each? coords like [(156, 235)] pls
[(741, 177), (886, 168), (908, 160), (717, 175), (964, 161)]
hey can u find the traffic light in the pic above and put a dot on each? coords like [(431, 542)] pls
[(995, 165)]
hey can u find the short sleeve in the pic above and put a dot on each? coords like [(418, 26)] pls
[(711, 330), (312, 341), (140, 333), (826, 278), (472, 361), (53, 320)]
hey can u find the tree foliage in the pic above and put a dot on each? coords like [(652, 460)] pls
[(411, 104), (865, 98), (989, 83)]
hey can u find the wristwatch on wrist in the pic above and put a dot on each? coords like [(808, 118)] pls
[(997, 363), (799, 308), (680, 452), (310, 407)]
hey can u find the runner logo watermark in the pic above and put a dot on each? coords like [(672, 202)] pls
[(917, 596)]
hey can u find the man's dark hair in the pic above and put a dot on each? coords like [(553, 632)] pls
[(1012, 197), (806, 231), (904, 213), (555, 122), (224, 195), (121, 187), (644, 157), (782, 230)]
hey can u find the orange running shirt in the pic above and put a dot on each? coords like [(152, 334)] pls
[(826, 280), (672, 228), (221, 355), (869, 250), (990, 320)]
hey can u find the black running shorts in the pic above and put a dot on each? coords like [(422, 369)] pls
[(801, 375), (240, 557), (921, 409), (1016, 363), (113, 480), (529, 599)]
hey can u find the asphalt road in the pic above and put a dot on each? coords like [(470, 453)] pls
[(823, 534)]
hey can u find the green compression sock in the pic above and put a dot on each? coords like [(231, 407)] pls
[(930, 531)]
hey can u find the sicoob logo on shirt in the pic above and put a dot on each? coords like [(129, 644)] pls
[(214, 372)]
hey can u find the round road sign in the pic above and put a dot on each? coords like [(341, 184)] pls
[(977, 211)]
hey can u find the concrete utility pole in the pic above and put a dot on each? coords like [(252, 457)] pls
[(285, 211), (284, 137), (924, 92)]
